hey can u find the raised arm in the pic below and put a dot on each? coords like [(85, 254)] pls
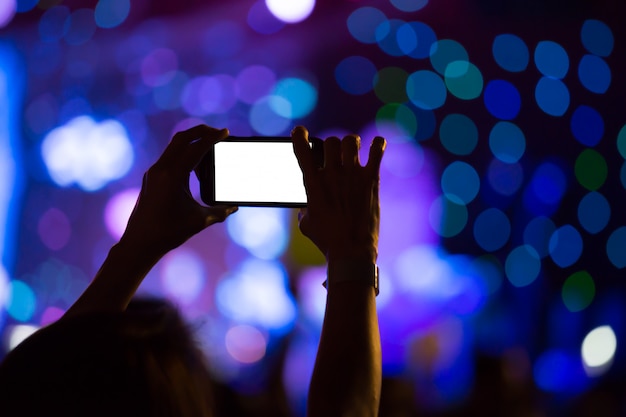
[(342, 219), (164, 217)]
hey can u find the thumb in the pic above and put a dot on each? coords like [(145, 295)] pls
[(218, 214)]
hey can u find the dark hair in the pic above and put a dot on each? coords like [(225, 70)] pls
[(142, 362)]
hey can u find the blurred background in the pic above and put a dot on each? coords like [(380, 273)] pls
[(503, 233)]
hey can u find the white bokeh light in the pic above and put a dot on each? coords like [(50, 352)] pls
[(598, 350), (15, 335), (87, 153), (291, 11)]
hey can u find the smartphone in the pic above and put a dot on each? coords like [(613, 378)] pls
[(254, 171)]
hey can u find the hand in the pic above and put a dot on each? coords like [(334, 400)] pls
[(166, 214), (343, 211)]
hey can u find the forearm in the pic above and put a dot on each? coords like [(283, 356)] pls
[(347, 375), (116, 281)]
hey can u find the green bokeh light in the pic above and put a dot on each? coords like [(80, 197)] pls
[(448, 218), (399, 114), (458, 134), (578, 291), (591, 169), (390, 85)]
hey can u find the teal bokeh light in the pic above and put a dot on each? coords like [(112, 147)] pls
[(507, 142), (464, 80), (458, 134), (551, 59), (510, 52), (460, 181), (447, 217), (22, 302), (621, 142), (293, 98), (445, 52)]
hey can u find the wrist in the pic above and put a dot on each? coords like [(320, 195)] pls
[(361, 271)]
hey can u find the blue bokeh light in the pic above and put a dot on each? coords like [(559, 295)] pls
[(82, 27), (566, 246), (597, 37), (387, 37), (460, 181), (546, 189), (558, 371), (505, 179), (492, 229), (616, 247), (594, 212), (415, 39), (522, 266), (355, 75), (552, 96), (262, 20), (538, 233), (426, 90), (363, 24), (551, 59), (54, 23), (502, 99), (26, 5), (507, 142), (111, 13), (594, 74), (587, 125), (510, 52), (409, 5)]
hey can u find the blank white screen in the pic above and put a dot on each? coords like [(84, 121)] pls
[(264, 172)]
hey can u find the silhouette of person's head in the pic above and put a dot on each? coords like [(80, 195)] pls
[(142, 362)]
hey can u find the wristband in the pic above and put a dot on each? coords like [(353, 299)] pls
[(343, 271)]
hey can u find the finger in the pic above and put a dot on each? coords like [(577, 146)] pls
[(181, 141), (195, 151), (377, 149), (350, 150), (302, 149), (332, 152), (218, 214)]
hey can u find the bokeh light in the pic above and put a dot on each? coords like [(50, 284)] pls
[(598, 350), (54, 229), (87, 153), (262, 231), (118, 210), (355, 75), (17, 334), (458, 134), (587, 125), (492, 229), (506, 179), (416, 39), (464, 80), (591, 169), (578, 291), (616, 247), (566, 246), (387, 36), (597, 37), (594, 74), (448, 217), (293, 98), (507, 142), (537, 234), (522, 266), (82, 27), (363, 23), (246, 344), (390, 85), (594, 212), (551, 59), (502, 99), (54, 23), (546, 189), (111, 13), (409, 5), (262, 20), (183, 275), (460, 182), (426, 90), (552, 96), (22, 301), (621, 142), (291, 11), (510, 52)]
